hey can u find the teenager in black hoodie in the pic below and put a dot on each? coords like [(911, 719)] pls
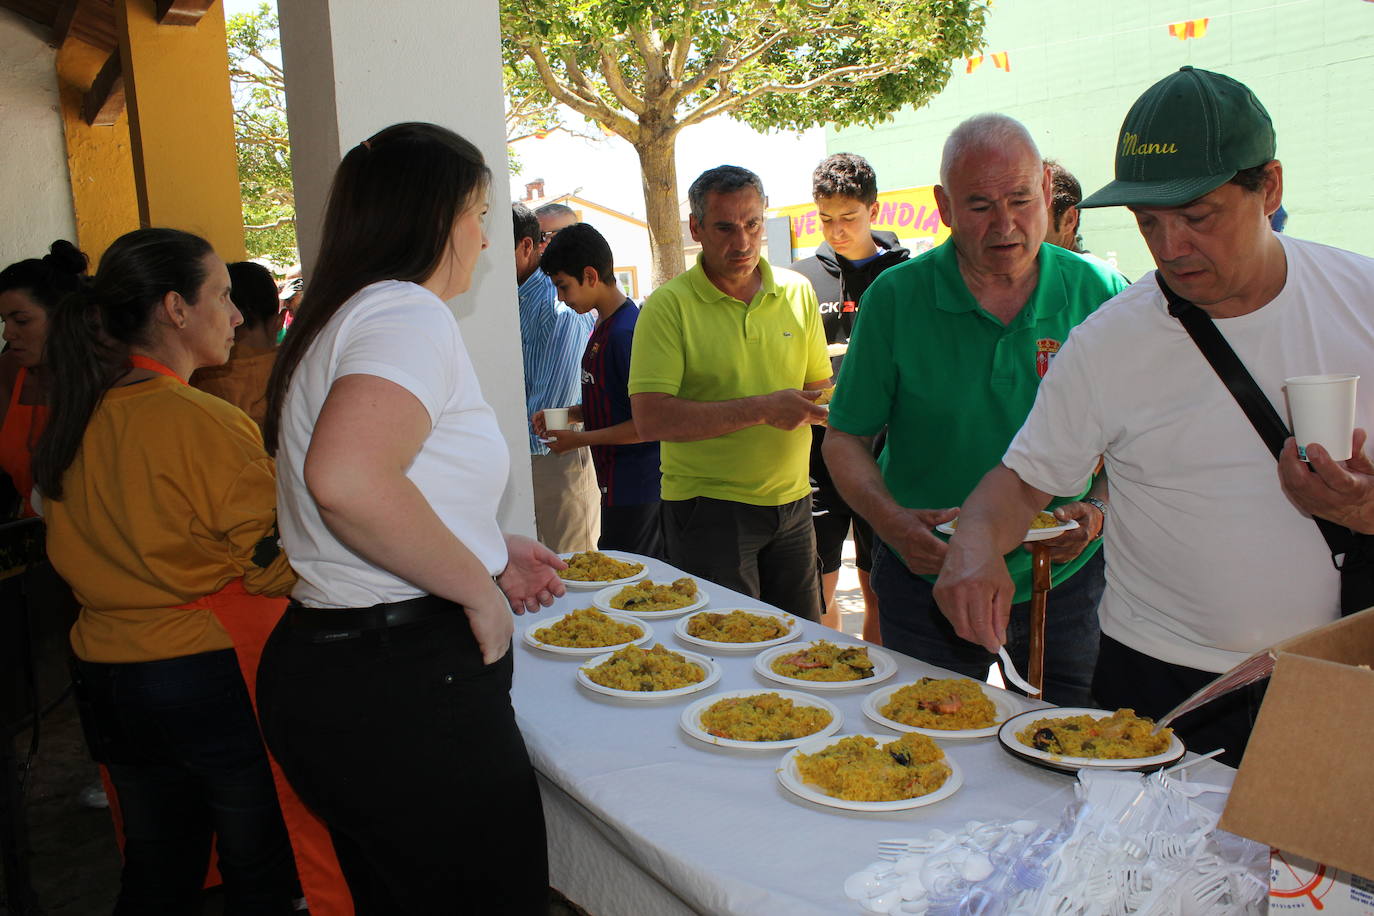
[(845, 189)]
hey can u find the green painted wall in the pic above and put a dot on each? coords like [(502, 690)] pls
[(1077, 65)]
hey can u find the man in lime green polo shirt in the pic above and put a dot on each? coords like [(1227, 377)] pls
[(727, 361), (948, 354)]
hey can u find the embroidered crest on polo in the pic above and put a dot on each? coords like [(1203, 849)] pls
[(1045, 349), (786, 333)]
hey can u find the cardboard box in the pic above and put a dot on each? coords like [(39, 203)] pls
[(1306, 784), (1298, 886)]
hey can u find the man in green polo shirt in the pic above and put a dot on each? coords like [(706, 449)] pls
[(947, 354), (727, 362)]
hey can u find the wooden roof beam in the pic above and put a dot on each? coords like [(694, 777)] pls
[(182, 12), (104, 101), (62, 21)]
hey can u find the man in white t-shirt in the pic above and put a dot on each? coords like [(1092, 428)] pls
[(1207, 559)]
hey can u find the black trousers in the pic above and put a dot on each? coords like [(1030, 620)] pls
[(1134, 680), (766, 552), (406, 746), (635, 529)]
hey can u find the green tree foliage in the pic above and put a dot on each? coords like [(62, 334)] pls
[(264, 150), (645, 69)]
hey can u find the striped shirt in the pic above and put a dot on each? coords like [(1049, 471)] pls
[(552, 339)]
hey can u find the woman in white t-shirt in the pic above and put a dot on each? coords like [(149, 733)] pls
[(385, 690)]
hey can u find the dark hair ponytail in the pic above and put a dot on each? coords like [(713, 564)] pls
[(94, 328), (49, 279), (391, 211)]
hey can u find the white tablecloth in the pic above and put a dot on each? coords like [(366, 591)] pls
[(645, 820)]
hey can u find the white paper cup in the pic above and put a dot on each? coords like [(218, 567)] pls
[(555, 418), (1322, 408)]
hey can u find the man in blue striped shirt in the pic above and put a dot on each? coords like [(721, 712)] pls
[(567, 504)]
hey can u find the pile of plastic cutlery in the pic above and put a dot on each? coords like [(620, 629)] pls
[(1128, 844)]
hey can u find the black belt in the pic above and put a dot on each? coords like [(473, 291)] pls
[(330, 624)]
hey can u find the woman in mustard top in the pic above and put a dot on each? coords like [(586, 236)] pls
[(29, 291), (160, 507), (242, 381)]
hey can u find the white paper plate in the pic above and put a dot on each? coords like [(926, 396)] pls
[(883, 668), (1034, 534), (691, 720), (792, 781), (603, 583), (602, 599), (681, 632), (1006, 704), (596, 650), (1007, 735), (708, 665)]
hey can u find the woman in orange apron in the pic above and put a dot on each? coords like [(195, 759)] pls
[(29, 291), (160, 507)]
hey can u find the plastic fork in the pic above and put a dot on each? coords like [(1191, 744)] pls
[(1010, 671), (894, 849)]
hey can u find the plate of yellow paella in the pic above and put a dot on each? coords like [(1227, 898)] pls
[(649, 599), (655, 673), (824, 665), (955, 707), (739, 630), (1043, 527), (870, 772), (589, 569), (1071, 738), (587, 631), (760, 720)]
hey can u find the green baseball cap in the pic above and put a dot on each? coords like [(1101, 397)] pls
[(1188, 134)]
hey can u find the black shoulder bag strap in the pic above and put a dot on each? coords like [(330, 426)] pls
[(1342, 542)]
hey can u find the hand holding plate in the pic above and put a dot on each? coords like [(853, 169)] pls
[(1067, 546)]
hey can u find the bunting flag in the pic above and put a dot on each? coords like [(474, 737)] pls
[(972, 63), (1002, 60), (1189, 28)]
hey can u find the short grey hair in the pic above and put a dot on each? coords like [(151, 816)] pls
[(984, 131), (723, 179), (555, 210)]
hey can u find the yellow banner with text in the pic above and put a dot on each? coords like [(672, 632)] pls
[(909, 213)]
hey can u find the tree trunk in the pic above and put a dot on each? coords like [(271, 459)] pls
[(658, 169)]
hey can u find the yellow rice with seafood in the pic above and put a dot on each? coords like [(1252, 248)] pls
[(949, 703), (594, 566), (857, 769), (825, 661), (588, 628), (763, 717), (1120, 736), (645, 595), (737, 626), (1042, 520), (633, 668)]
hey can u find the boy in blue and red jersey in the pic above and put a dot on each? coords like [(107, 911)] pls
[(578, 260)]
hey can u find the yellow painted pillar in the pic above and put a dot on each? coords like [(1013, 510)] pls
[(181, 124), (98, 158)]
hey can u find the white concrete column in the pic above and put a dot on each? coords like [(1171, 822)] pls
[(356, 66), (35, 189)]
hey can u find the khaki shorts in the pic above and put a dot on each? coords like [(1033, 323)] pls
[(567, 501)]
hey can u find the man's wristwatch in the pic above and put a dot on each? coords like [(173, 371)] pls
[(1101, 507)]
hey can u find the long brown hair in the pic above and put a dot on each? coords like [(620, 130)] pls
[(94, 328), (391, 211)]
